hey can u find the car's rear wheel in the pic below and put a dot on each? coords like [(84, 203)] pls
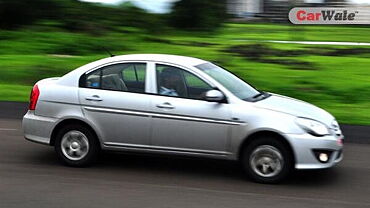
[(267, 160), (76, 145)]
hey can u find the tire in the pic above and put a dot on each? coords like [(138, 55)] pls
[(267, 160), (76, 145)]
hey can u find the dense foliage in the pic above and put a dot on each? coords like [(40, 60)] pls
[(75, 15), (199, 15), (21, 12)]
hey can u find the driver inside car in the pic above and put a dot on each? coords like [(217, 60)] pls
[(169, 81)]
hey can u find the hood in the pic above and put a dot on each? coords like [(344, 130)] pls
[(295, 107)]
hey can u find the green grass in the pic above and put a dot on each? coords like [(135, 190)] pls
[(339, 83), (13, 92)]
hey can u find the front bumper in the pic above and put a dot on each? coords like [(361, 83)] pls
[(304, 145), (38, 128)]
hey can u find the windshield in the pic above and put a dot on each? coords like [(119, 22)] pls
[(231, 82)]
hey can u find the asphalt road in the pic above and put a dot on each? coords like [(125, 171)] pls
[(31, 176)]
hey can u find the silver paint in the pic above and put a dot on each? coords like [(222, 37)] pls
[(151, 123)]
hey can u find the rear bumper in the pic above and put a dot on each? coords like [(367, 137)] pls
[(38, 128), (305, 144)]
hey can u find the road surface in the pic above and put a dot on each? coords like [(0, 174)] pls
[(31, 176)]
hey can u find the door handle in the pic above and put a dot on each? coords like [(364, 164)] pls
[(94, 98), (165, 105)]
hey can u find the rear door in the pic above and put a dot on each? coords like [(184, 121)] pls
[(113, 98)]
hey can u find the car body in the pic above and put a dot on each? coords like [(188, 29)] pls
[(208, 113)]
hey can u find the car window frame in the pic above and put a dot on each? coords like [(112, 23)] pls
[(82, 79), (151, 79)]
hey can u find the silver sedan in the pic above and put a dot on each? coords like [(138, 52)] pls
[(180, 106)]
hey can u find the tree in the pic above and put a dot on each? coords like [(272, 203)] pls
[(75, 15), (21, 12), (198, 14)]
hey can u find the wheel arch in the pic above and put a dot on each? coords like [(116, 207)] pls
[(69, 121), (261, 133)]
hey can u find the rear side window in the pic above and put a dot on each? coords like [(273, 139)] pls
[(134, 73), (127, 77)]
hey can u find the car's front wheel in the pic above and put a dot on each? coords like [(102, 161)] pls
[(267, 160), (76, 145)]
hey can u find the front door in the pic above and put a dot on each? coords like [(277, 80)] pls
[(182, 120)]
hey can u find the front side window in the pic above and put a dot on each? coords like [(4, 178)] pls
[(176, 82), (127, 77)]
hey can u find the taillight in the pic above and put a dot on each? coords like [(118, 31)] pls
[(34, 97)]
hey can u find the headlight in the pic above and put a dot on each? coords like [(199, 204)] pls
[(313, 127)]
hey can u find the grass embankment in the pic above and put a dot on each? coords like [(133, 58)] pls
[(336, 78)]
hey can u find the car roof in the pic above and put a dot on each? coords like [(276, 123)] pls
[(175, 59)]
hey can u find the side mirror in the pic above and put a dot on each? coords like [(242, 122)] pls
[(214, 96)]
